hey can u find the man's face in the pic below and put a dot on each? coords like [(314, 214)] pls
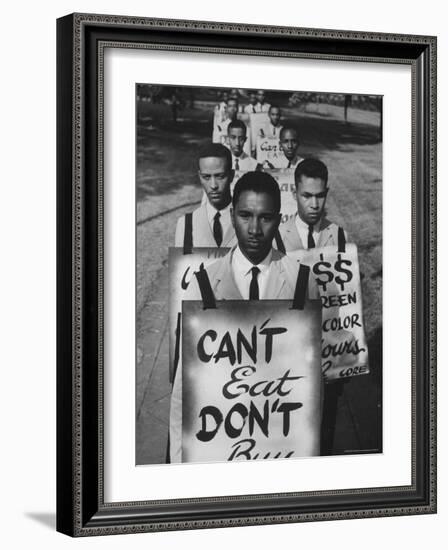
[(215, 178), (311, 195), (260, 96), (255, 220), (253, 99), (237, 138), (274, 115), (289, 143), (232, 108)]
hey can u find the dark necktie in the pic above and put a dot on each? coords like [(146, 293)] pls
[(217, 229), (253, 109), (290, 164), (311, 243), (254, 293), (237, 164)]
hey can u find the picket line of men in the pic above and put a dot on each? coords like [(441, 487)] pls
[(248, 222), (283, 140), (213, 223)]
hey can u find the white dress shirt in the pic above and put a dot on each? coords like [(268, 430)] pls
[(242, 273), (259, 108), (245, 162), (302, 229), (249, 109), (270, 131), (225, 220), (283, 162)]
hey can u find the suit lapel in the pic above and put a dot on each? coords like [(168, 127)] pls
[(229, 237), (225, 285), (202, 234), (292, 239), (276, 280), (325, 237)]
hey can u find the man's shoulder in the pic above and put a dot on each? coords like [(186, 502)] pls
[(217, 266), (289, 225), (282, 261), (330, 233), (199, 211), (328, 225)]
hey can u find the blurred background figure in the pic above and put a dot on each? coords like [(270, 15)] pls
[(262, 106), (251, 107)]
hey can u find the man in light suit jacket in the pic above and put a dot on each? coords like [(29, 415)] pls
[(289, 146), (261, 106), (252, 270), (237, 136), (210, 224), (220, 132), (309, 228), (250, 108)]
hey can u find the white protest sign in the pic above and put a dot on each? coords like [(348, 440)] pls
[(257, 122), (285, 179), (219, 135), (251, 380), (268, 149), (344, 346), (181, 268)]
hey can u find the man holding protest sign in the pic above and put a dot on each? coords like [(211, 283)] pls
[(268, 139), (289, 146), (237, 136), (254, 271), (210, 225), (261, 106), (309, 228), (220, 129), (335, 268), (273, 128), (250, 108)]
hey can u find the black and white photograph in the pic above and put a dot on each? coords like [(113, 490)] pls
[(258, 274)]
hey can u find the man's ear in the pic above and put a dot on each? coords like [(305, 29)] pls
[(232, 216), (232, 175)]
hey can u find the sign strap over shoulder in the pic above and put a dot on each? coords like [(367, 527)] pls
[(279, 242), (188, 233), (177, 346), (341, 240), (208, 298), (300, 291)]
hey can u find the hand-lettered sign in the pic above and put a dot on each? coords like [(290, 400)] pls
[(181, 269), (344, 346), (268, 149), (251, 381), (257, 122), (220, 129), (285, 179)]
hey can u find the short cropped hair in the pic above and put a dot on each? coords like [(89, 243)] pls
[(237, 124), (289, 127), (274, 107), (216, 150), (259, 182), (311, 168)]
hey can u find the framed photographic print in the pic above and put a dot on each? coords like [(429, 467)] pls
[(246, 274)]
